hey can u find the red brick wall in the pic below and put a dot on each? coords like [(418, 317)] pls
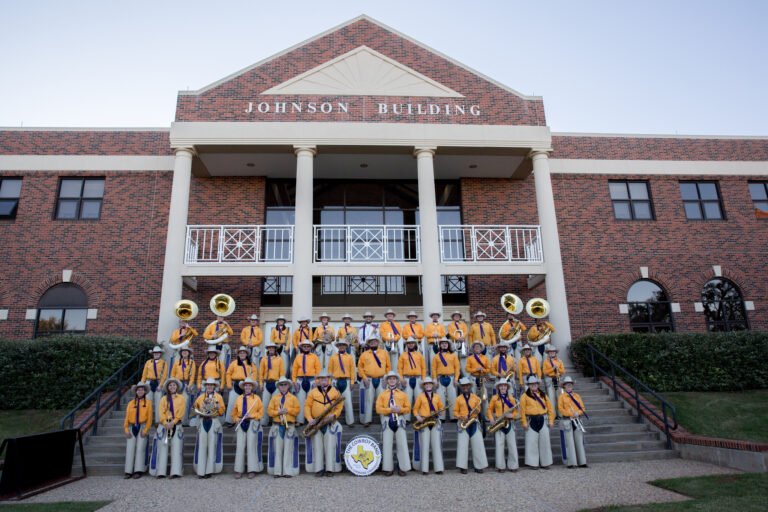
[(117, 259), (659, 148), (602, 256), (227, 200), (84, 142), (227, 101)]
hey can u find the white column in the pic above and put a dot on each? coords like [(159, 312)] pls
[(553, 263), (303, 234), (431, 289), (175, 242)]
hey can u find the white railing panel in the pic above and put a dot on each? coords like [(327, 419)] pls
[(239, 244), (366, 244), (490, 243)]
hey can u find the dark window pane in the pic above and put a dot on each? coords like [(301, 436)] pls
[(90, 209), (393, 216), (638, 313), (63, 295), (74, 319), (8, 207), (645, 291), (447, 217), (688, 191), (757, 190), (93, 188), (638, 190), (712, 210), (67, 209), (365, 216), (621, 210), (661, 312), (707, 191), (693, 211), (280, 216), (642, 210), (332, 217), (70, 188), (49, 320), (10, 188), (663, 328), (364, 194), (618, 190), (640, 328)]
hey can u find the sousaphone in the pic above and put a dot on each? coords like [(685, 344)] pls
[(512, 304), (222, 305), (539, 308), (185, 310)]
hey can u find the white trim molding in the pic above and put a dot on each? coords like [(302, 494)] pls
[(718, 270), (92, 314), (30, 314), (675, 307), (3, 314), (644, 272), (623, 309), (749, 305), (698, 307), (657, 167), (66, 276)]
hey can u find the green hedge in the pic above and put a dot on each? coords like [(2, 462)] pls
[(57, 372), (686, 362)]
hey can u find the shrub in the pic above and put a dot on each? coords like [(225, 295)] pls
[(685, 361), (57, 372)]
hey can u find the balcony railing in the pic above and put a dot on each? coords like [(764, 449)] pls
[(465, 244), (239, 244), (367, 244)]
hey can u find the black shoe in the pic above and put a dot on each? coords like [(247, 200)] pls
[(513, 471), (534, 468), (160, 476), (329, 473), (438, 472), (173, 477), (571, 467), (400, 472), (463, 471), (545, 467), (389, 473), (138, 474), (251, 475), (500, 470), (127, 476), (320, 473), (583, 466), (425, 473), (479, 471)]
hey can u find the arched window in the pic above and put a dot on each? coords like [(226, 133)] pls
[(723, 306), (62, 308), (649, 308)]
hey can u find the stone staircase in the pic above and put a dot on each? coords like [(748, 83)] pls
[(613, 435)]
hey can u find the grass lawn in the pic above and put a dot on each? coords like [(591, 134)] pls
[(744, 492), (25, 422), (736, 415), (63, 506)]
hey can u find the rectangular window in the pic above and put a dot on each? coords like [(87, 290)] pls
[(631, 200), (10, 191), (701, 200), (759, 192), (80, 198)]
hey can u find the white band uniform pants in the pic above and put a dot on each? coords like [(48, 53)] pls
[(573, 451), (304, 382), (158, 464), (248, 449), (471, 437), (209, 446), (538, 449), (506, 441), (323, 449), (370, 394), (266, 397), (412, 388), (390, 437), (283, 451), (136, 454), (447, 393), (428, 441), (550, 386), (349, 413)]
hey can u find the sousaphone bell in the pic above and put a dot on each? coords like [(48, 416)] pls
[(539, 308), (221, 305), (185, 310)]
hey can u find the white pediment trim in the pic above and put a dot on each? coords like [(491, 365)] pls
[(363, 72)]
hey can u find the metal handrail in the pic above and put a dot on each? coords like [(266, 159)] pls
[(630, 384), (119, 379)]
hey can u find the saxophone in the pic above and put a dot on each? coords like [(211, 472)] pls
[(502, 422), (428, 421), (322, 420), (473, 416)]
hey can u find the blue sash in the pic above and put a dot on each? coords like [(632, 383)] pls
[(394, 327), (411, 361), (445, 380), (502, 364), (341, 365), (442, 359), (577, 404), (477, 358), (412, 382), (271, 386), (306, 383), (341, 385), (373, 352)]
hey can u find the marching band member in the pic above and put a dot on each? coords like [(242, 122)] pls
[(469, 405), (429, 439), (169, 433), (253, 338), (391, 332), (571, 406), (482, 331), (372, 365), (271, 368), (391, 405), (239, 370), (446, 370), (247, 417), (415, 330), (210, 367), (537, 417), (209, 458), (553, 370), (155, 372), (434, 332), (479, 368), (323, 449), (342, 368), (367, 329), (283, 451), (527, 365), (304, 332), (503, 365), (537, 331), (503, 404), (281, 336), (348, 331), (305, 367), (457, 331), (176, 336), (217, 329), (412, 370), (138, 419), (508, 329), (324, 336), (185, 370)]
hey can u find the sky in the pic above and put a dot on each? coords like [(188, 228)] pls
[(695, 67)]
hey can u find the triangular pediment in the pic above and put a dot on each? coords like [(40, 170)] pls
[(363, 72)]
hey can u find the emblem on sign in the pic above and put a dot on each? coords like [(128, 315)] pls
[(362, 456)]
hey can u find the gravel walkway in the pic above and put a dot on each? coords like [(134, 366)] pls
[(558, 489)]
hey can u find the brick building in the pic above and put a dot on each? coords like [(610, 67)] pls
[(361, 170)]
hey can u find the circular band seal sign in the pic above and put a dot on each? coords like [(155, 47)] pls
[(362, 456)]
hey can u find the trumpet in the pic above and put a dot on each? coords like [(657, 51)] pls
[(395, 416), (167, 437), (472, 418), (577, 421)]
